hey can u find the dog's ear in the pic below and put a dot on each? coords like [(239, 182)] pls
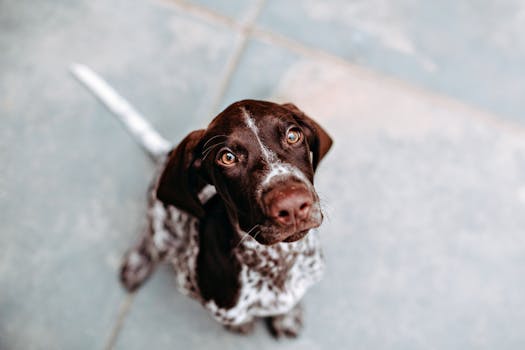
[(318, 139), (180, 183)]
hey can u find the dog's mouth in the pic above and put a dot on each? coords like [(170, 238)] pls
[(296, 236), (270, 234)]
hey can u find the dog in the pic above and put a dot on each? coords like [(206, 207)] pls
[(233, 208)]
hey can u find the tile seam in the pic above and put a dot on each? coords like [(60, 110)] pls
[(246, 29), (313, 53), (443, 100), (124, 308)]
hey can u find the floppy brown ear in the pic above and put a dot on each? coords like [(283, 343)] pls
[(318, 139), (179, 183)]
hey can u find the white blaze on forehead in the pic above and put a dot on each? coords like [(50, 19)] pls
[(268, 155), (281, 169), (276, 167)]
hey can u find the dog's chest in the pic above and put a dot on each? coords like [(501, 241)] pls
[(272, 278)]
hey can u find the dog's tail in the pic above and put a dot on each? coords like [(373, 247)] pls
[(154, 144)]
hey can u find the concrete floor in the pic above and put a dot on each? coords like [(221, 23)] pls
[(424, 189)]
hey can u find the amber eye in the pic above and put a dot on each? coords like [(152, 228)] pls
[(227, 158), (293, 136)]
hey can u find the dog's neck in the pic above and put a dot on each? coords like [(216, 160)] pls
[(205, 195), (243, 239), (263, 264)]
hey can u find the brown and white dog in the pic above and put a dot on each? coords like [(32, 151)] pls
[(233, 210)]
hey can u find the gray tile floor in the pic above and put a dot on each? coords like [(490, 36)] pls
[(424, 189)]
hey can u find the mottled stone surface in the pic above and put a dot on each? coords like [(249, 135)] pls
[(424, 196), (72, 182), (470, 50), (259, 72), (423, 238), (425, 202)]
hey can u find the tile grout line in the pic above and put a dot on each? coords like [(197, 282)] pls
[(365, 72), (227, 75), (245, 30), (314, 53), (248, 29), (245, 34), (204, 13), (124, 308)]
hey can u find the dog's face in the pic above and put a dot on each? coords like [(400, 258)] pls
[(261, 158)]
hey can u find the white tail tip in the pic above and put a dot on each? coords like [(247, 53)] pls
[(135, 123)]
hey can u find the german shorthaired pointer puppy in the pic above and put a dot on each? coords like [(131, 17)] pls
[(233, 210)]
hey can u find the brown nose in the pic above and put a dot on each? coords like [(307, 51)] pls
[(289, 204)]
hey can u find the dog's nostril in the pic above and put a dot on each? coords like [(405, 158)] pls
[(283, 214), (289, 205), (286, 212), (304, 210)]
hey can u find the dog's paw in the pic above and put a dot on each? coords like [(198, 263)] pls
[(243, 328), (287, 325), (135, 269)]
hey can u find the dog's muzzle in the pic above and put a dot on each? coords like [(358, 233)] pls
[(292, 209)]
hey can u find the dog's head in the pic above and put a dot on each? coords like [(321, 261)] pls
[(261, 158)]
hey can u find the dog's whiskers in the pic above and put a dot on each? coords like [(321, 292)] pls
[(213, 138), (255, 235), (247, 234), (208, 150)]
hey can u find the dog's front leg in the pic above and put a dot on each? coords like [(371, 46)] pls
[(289, 324), (156, 245), (139, 262)]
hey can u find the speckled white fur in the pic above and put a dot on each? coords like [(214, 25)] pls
[(175, 237), (259, 294), (272, 278)]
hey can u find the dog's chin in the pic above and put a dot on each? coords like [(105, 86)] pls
[(271, 237), (296, 236)]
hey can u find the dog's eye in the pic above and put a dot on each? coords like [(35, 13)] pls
[(293, 136), (227, 158)]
